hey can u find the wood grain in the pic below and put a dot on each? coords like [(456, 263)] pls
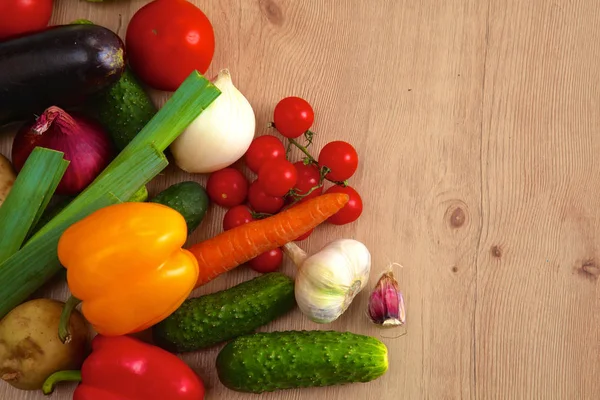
[(477, 124), (538, 299)]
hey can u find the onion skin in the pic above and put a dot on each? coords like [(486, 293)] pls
[(82, 140)]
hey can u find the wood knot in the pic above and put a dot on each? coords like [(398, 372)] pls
[(456, 215), (272, 11), (496, 251), (591, 269)]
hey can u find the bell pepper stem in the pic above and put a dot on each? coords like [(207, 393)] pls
[(65, 317), (295, 253), (60, 376)]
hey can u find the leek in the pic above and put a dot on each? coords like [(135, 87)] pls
[(27, 270), (28, 198), (142, 159)]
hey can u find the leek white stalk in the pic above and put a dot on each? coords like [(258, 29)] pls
[(220, 135), (328, 281)]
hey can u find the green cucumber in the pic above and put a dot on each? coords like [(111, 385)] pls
[(265, 362), (189, 199), (124, 109), (208, 320)]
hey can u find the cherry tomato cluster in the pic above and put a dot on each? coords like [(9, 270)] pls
[(337, 161), (282, 183)]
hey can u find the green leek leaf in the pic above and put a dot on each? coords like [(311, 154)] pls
[(28, 269), (28, 198)]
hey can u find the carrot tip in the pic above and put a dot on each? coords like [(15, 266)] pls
[(240, 244)]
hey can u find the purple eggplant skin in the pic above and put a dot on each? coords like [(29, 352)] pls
[(60, 66)]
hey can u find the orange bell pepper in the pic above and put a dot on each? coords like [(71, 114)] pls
[(126, 264)]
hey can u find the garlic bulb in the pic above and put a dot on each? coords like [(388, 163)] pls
[(220, 135), (328, 281)]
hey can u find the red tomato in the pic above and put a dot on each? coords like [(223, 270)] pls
[(167, 40), (308, 177), (293, 116), (262, 149), (269, 261), (18, 17), (305, 236), (277, 177), (261, 202), (351, 211), (227, 187), (341, 158), (236, 216)]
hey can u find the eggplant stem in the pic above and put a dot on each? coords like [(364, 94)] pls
[(65, 317), (295, 253), (60, 376)]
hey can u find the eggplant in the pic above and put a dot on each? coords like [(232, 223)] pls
[(60, 66)]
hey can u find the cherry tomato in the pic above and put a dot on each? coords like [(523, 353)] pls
[(261, 202), (277, 177), (308, 177), (167, 40), (227, 187), (236, 216), (293, 116), (341, 158), (351, 211), (269, 261), (262, 149), (304, 237), (19, 17)]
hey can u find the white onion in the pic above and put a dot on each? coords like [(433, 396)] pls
[(220, 135)]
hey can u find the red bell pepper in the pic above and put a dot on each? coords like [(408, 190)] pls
[(125, 368)]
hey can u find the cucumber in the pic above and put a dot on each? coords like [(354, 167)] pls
[(265, 362), (189, 199), (61, 66), (123, 109), (208, 320)]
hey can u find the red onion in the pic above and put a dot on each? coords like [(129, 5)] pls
[(83, 141)]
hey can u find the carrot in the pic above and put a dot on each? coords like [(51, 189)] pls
[(242, 243)]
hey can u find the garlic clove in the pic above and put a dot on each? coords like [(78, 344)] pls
[(386, 303), (377, 309)]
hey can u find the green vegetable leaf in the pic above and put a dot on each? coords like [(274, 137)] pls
[(28, 198), (28, 269)]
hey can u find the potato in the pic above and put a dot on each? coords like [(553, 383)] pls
[(7, 177), (30, 349)]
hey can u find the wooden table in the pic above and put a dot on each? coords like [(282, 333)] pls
[(478, 128)]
